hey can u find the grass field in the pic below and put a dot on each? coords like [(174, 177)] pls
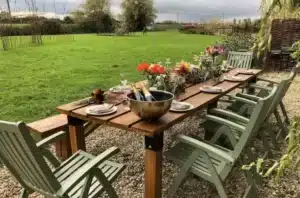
[(34, 80)]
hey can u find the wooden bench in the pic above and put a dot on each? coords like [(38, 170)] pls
[(48, 126)]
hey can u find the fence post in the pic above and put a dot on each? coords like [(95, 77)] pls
[(4, 42)]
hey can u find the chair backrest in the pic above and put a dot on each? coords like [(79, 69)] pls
[(240, 59), (282, 89), (256, 119), (19, 153)]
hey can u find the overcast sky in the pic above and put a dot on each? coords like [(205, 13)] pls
[(188, 10)]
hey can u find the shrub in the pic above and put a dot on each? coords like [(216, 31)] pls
[(238, 41), (49, 26)]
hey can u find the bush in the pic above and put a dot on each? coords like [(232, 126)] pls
[(15, 30), (238, 41), (49, 26)]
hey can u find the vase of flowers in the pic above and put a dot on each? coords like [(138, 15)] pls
[(162, 78)]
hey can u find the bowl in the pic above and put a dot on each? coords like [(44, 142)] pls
[(154, 109)]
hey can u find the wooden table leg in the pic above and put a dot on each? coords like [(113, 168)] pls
[(76, 133), (252, 81), (153, 166), (63, 147)]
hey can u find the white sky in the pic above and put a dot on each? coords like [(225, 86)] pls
[(188, 10)]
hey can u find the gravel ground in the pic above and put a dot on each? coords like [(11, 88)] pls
[(130, 182)]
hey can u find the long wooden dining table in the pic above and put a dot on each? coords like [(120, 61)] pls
[(153, 132)]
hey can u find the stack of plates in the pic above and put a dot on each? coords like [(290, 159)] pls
[(181, 106), (233, 78), (211, 89), (103, 109)]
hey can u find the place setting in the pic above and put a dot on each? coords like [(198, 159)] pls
[(180, 107), (211, 89), (101, 109), (232, 78), (246, 71)]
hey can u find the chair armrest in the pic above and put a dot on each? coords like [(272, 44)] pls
[(206, 148), (51, 139), (266, 80), (229, 114), (256, 86), (225, 122), (244, 100), (83, 171), (248, 96)]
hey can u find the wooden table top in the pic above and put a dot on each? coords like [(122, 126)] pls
[(125, 119)]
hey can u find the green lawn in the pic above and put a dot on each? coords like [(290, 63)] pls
[(34, 80)]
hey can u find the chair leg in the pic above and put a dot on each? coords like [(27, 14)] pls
[(251, 158), (215, 177), (251, 190), (280, 123), (268, 152), (283, 110), (24, 193), (272, 135), (183, 173)]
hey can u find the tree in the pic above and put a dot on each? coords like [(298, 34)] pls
[(68, 20), (137, 14), (94, 16), (234, 21), (78, 16), (273, 9)]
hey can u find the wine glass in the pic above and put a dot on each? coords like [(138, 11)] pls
[(123, 80)]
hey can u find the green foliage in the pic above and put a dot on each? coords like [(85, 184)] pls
[(138, 14), (238, 41), (49, 26), (270, 10), (290, 158), (68, 20), (296, 49)]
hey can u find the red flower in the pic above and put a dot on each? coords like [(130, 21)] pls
[(156, 69), (161, 70), (143, 67)]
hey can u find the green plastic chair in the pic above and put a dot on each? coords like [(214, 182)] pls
[(249, 101), (80, 176), (245, 109), (263, 90), (240, 59), (212, 162)]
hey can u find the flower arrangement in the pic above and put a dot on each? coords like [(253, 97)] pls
[(162, 77), (173, 79)]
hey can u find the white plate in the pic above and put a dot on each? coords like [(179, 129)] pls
[(113, 110), (247, 72), (211, 89), (120, 89), (183, 110), (233, 78)]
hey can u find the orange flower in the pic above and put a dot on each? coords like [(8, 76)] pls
[(143, 67), (156, 69)]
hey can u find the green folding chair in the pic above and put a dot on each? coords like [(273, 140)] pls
[(264, 91), (245, 109), (80, 176), (240, 59), (212, 162), (250, 101)]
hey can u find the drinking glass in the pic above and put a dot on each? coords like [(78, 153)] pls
[(123, 80)]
